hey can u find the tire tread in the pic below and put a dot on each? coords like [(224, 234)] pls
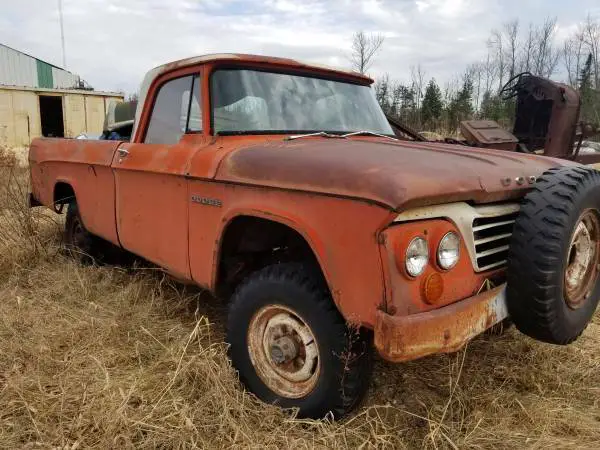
[(535, 252)]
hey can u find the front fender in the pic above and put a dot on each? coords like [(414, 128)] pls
[(342, 234)]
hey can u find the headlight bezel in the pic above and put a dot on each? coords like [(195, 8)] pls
[(413, 241), (448, 235)]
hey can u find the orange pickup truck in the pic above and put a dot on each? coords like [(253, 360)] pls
[(283, 186)]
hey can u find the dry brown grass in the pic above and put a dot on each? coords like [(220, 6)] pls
[(116, 358)]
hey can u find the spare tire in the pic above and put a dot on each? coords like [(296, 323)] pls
[(554, 256)]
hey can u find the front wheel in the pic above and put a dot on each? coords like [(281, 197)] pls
[(292, 347)]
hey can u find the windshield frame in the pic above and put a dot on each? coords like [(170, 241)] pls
[(308, 73)]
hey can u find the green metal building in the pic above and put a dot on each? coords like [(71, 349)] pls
[(41, 99), (20, 69)]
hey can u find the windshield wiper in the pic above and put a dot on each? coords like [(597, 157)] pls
[(367, 133), (339, 136), (318, 133)]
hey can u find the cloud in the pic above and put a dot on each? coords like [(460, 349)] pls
[(111, 44)]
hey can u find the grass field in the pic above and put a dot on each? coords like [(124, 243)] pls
[(110, 357)]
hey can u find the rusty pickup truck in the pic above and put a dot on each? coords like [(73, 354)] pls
[(283, 187)]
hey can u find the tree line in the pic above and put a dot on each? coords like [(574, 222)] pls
[(511, 49)]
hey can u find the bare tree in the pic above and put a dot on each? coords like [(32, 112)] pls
[(489, 68), (477, 70), (364, 49), (511, 30), (417, 75), (451, 87), (590, 32), (527, 50), (546, 54), (583, 42), (496, 42), (572, 56), (535, 52)]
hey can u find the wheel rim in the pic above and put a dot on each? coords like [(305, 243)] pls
[(581, 273), (284, 351)]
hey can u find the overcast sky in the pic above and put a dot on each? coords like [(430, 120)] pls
[(112, 43)]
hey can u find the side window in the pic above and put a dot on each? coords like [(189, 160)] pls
[(173, 113)]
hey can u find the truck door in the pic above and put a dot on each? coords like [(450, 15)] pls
[(151, 189)]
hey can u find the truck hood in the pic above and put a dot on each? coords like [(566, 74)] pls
[(395, 174)]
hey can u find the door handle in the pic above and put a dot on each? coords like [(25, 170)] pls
[(123, 152)]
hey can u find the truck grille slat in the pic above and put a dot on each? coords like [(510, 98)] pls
[(496, 264), (492, 251), (491, 237), (492, 225)]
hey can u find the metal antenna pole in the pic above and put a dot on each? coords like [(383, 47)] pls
[(62, 34)]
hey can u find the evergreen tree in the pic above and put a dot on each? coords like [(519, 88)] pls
[(589, 97), (382, 93), (461, 106), (432, 106), (491, 107), (584, 80), (407, 105)]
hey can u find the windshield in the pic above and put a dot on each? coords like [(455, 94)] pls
[(247, 101)]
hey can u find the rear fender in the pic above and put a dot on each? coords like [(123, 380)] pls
[(85, 166)]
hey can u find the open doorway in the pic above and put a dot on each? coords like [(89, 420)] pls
[(51, 115)]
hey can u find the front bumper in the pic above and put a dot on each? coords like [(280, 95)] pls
[(443, 330)]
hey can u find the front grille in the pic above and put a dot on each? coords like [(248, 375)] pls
[(491, 236)]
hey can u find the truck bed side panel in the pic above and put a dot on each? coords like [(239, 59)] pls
[(85, 166)]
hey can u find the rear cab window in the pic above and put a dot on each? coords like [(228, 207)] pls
[(177, 110)]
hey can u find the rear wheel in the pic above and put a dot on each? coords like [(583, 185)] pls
[(292, 347), (554, 261), (79, 242)]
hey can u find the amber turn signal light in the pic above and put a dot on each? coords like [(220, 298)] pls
[(433, 288)]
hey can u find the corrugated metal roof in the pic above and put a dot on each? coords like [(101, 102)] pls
[(20, 69), (63, 79), (44, 75), (16, 68)]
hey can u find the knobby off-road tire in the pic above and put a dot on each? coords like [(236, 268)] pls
[(292, 347), (554, 256)]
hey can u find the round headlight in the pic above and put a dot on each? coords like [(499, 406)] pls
[(417, 255), (448, 250)]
